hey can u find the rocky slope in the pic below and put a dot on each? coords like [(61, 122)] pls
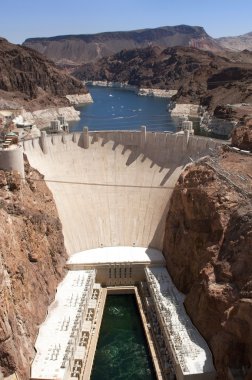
[(236, 43), (78, 49), (32, 257), (207, 246), (199, 76), (31, 80), (242, 136)]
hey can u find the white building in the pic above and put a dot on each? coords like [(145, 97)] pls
[(186, 350), (63, 338)]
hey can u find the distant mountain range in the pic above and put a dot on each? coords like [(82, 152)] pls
[(186, 58), (78, 49), (243, 42), (72, 50), (201, 77)]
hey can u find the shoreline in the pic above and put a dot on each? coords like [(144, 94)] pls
[(42, 118), (155, 92), (204, 123)]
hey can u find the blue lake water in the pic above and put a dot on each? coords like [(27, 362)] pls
[(116, 109)]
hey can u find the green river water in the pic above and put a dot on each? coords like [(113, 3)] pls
[(122, 352)]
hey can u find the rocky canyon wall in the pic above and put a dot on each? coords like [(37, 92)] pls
[(32, 258), (208, 248)]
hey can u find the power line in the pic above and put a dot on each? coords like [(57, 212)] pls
[(99, 184), (177, 188)]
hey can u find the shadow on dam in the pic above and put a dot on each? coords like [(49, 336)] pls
[(113, 188)]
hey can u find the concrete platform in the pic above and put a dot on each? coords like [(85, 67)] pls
[(189, 352), (115, 255), (116, 266)]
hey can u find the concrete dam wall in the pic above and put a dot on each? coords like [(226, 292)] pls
[(113, 188)]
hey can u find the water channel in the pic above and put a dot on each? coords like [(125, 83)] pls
[(117, 109), (122, 352)]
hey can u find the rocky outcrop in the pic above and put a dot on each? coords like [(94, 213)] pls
[(31, 80), (43, 118), (207, 246), (121, 85), (32, 258), (79, 99), (156, 92), (242, 136), (221, 127), (74, 50), (199, 77)]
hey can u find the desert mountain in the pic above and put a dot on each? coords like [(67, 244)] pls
[(238, 43), (199, 76), (78, 49), (30, 79)]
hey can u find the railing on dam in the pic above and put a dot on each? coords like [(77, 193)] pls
[(176, 143)]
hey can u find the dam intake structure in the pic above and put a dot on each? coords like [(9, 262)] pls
[(112, 188)]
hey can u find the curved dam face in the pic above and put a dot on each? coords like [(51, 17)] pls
[(113, 188)]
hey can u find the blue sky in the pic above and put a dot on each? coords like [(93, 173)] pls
[(21, 19)]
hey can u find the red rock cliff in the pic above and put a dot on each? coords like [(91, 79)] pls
[(32, 81), (208, 248), (242, 136), (32, 257)]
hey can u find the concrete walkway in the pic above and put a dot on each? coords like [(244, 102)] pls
[(94, 337)]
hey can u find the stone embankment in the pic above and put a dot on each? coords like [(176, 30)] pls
[(42, 118), (207, 246), (77, 100), (100, 83), (32, 258), (186, 109), (156, 92), (218, 126)]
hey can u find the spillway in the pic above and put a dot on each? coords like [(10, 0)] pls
[(113, 188)]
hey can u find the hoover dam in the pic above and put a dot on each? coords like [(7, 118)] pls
[(113, 188), (112, 191)]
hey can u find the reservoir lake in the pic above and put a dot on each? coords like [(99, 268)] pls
[(118, 109)]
